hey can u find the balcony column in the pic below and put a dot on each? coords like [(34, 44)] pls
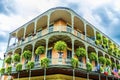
[(24, 32), (94, 34), (85, 31), (21, 54), (9, 41), (86, 48), (46, 47), (97, 56), (33, 51), (73, 48), (72, 22), (35, 25), (48, 22)]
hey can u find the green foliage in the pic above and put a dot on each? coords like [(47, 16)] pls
[(9, 69), (30, 65), (60, 46), (8, 60), (16, 57), (105, 41), (102, 60), (110, 51), (40, 50), (118, 66), (115, 52), (101, 69), (74, 62), (18, 67), (97, 42), (108, 62), (27, 55), (93, 56), (89, 66), (113, 65), (2, 70), (80, 52), (98, 36), (111, 45), (44, 62)]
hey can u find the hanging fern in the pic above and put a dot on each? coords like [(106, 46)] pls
[(2, 70), (16, 57), (108, 62), (74, 62), (27, 55), (18, 67), (80, 52), (93, 56), (30, 65), (40, 50), (102, 60), (8, 60), (9, 69), (89, 66)]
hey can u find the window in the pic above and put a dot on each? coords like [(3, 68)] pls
[(69, 29), (36, 58), (49, 54), (69, 54)]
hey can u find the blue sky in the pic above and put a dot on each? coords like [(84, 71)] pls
[(103, 14)]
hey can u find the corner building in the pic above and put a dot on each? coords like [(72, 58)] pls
[(56, 24)]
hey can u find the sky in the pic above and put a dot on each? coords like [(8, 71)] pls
[(103, 14)]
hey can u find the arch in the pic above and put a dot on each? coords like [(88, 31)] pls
[(28, 47), (79, 25), (78, 43), (41, 23), (63, 14), (90, 32), (18, 50), (107, 56), (20, 34), (100, 54), (29, 29)]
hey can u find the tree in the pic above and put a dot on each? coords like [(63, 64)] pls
[(60, 46), (40, 50), (27, 55), (74, 63), (16, 57), (30, 65), (89, 68), (18, 69), (44, 62), (2, 70), (8, 60)]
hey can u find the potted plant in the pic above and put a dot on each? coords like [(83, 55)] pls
[(93, 56), (2, 70), (8, 70), (16, 58), (89, 68), (80, 52), (40, 50), (30, 65), (108, 62), (102, 60), (44, 62), (18, 69), (74, 63), (27, 55), (8, 60)]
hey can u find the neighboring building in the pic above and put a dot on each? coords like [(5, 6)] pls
[(61, 24)]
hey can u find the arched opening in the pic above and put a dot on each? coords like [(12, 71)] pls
[(41, 26), (20, 34), (79, 44), (79, 27), (41, 42), (58, 58), (90, 51), (62, 22)]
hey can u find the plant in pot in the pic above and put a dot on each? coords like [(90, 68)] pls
[(105, 42), (8, 60), (98, 39), (18, 69), (44, 62), (74, 63), (89, 68), (40, 50), (27, 55), (80, 52), (2, 70), (60, 46), (16, 58), (108, 62), (115, 52), (102, 60)]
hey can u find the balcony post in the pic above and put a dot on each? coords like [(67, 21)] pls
[(73, 48), (72, 22), (9, 41), (86, 48), (35, 25), (85, 31), (94, 34), (33, 51), (46, 47), (48, 22), (24, 32)]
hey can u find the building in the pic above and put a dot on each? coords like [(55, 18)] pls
[(62, 24)]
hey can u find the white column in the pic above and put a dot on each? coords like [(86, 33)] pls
[(35, 26), (85, 30), (46, 47), (48, 22), (24, 32), (9, 41), (72, 21), (72, 48)]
